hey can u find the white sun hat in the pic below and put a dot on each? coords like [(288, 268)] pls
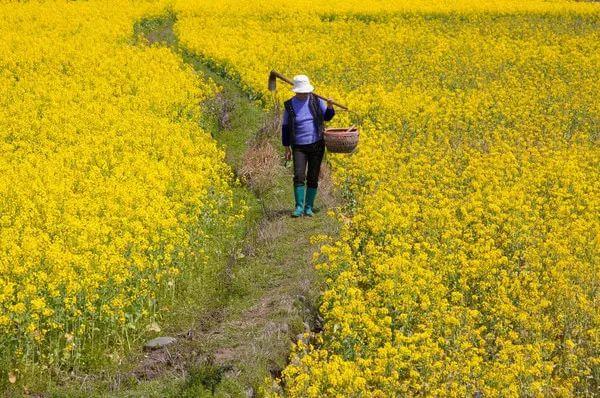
[(302, 84)]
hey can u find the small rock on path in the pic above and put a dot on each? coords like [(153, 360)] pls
[(159, 342)]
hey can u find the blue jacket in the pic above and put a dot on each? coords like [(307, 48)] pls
[(319, 114)]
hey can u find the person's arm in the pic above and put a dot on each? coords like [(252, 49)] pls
[(286, 130), (286, 135), (327, 108)]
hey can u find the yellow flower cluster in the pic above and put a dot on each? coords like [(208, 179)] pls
[(108, 187), (470, 261)]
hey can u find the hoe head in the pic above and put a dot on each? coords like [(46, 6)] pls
[(273, 76), (272, 80)]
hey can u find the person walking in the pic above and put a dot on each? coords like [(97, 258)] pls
[(302, 131)]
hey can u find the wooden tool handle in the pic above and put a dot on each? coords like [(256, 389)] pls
[(333, 102), (288, 81)]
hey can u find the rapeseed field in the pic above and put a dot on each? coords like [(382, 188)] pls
[(109, 190), (469, 261)]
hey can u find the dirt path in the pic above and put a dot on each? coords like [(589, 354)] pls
[(272, 290)]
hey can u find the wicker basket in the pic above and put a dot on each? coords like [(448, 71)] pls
[(341, 139)]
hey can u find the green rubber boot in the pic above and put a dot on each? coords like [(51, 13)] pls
[(299, 196), (311, 194)]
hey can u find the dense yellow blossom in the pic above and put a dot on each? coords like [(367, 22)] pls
[(108, 187), (471, 258)]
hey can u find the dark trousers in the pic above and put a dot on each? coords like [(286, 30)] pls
[(308, 156)]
